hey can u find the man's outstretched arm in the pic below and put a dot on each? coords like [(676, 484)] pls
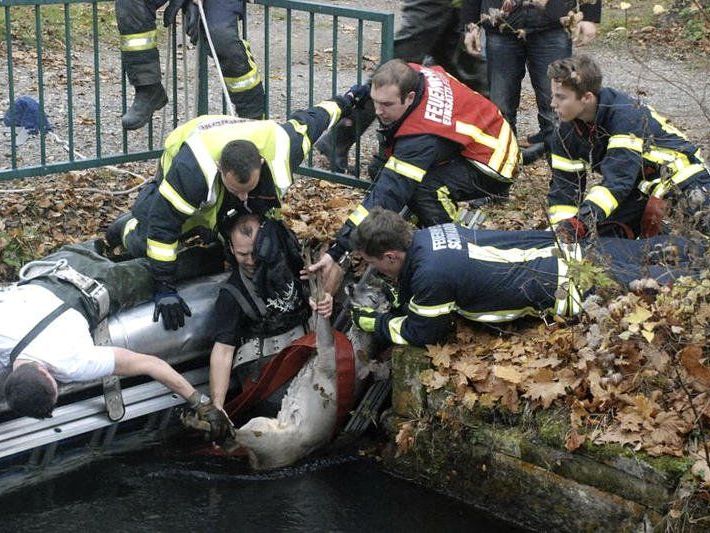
[(129, 363)]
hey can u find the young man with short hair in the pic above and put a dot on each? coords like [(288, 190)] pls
[(645, 162)]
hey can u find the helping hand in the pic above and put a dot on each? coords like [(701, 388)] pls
[(192, 17), (217, 419), (364, 318), (324, 307), (472, 39), (171, 307), (357, 95)]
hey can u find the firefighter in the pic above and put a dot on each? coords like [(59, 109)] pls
[(212, 165), (444, 143), (490, 276), (645, 162), (139, 54)]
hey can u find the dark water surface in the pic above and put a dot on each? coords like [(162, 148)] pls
[(150, 492)]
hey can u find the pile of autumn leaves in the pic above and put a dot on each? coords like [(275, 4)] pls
[(627, 372)]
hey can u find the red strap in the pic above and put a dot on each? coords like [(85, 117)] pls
[(273, 375), (345, 378), (288, 363)]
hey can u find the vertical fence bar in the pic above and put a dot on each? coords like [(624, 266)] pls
[(40, 86), (358, 125), (173, 40), (70, 92), (11, 84), (267, 81), (387, 38), (289, 51), (202, 87), (97, 82), (334, 72), (311, 66)]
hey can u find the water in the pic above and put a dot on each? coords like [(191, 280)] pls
[(153, 492)]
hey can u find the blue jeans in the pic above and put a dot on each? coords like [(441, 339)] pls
[(507, 57)]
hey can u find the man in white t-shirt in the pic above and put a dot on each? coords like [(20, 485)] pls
[(64, 352)]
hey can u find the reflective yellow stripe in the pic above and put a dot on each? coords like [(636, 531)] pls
[(333, 110), (206, 162), (492, 254), (161, 251), (444, 197), (280, 163), (405, 169), (514, 160), (629, 142), (477, 134), (568, 165), (665, 125), (395, 330), (171, 195), (243, 83), (499, 316), (431, 311), (558, 213), (357, 216), (646, 186), (129, 227), (697, 155), (676, 179), (602, 197), (571, 304), (302, 130), (561, 304), (496, 161), (136, 42), (664, 157)]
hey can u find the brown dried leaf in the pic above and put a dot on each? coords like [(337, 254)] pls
[(699, 374), (508, 373)]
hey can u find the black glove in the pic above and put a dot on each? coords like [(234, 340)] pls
[(217, 419), (192, 17), (170, 306), (357, 95)]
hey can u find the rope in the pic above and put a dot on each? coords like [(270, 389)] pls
[(225, 92)]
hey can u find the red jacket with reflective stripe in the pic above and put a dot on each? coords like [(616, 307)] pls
[(451, 110)]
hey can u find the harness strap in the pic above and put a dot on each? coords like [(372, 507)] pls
[(288, 363), (241, 300), (32, 334)]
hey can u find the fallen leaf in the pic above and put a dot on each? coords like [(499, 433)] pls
[(508, 373)]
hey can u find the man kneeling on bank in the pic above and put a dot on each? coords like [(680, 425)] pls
[(492, 276)]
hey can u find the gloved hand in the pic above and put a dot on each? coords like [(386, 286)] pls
[(364, 318), (571, 230), (217, 420), (170, 306), (192, 17), (357, 95)]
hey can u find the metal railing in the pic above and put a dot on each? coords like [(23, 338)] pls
[(65, 55)]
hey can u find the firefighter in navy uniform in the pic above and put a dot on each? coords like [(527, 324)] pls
[(488, 276), (645, 162), (210, 166), (139, 54), (444, 142)]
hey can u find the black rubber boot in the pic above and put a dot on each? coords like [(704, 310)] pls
[(148, 99), (114, 233), (533, 152), (336, 144)]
